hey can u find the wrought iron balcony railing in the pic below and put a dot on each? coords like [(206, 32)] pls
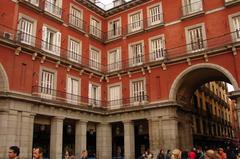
[(192, 8), (60, 96), (77, 23), (145, 59), (53, 9)]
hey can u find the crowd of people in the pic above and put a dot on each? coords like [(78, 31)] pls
[(198, 153)]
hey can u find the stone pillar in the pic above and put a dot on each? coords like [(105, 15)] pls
[(170, 133), (80, 138), (187, 136), (4, 134), (104, 141), (56, 137), (154, 135), (129, 141), (26, 137)]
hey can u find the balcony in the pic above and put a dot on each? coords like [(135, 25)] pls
[(115, 33), (64, 97), (155, 20), (96, 33), (53, 9), (77, 23), (135, 27), (192, 9), (30, 2), (231, 2), (114, 66), (25, 38), (157, 55)]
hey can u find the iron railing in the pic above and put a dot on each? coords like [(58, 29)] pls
[(77, 22), (168, 54), (61, 96), (192, 8), (53, 9)]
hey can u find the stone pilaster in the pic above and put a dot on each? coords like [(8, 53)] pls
[(104, 141), (129, 142), (4, 134), (80, 138), (56, 137), (26, 136), (170, 133), (187, 144), (154, 135)]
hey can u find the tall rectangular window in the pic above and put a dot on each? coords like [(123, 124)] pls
[(157, 49), (155, 15), (192, 6), (54, 7), (95, 27), (75, 18), (73, 90), (51, 40), (195, 38), (114, 28), (138, 91), (26, 31), (47, 84), (236, 26), (135, 22), (114, 60), (95, 59), (94, 92), (136, 54), (74, 53), (114, 96)]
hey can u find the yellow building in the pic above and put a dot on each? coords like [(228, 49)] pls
[(213, 116)]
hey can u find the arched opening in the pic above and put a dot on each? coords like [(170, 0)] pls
[(201, 91), (4, 86)]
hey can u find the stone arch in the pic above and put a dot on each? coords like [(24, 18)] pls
[(194, 76), (4, 85)]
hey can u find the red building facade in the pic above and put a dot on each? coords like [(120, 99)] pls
[(90, 78)]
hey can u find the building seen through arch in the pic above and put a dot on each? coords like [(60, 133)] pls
[(118, 80)]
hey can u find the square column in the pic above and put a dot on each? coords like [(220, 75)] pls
[(129, 141), (104, 141), (56, 137), (80, 138), (170, 133), (154, 135)]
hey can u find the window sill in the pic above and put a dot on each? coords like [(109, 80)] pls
[(135, 32), (76, 28), (154, 26), (54, 17), (189, 16), (113, 38), (231, 3), (30, 5)]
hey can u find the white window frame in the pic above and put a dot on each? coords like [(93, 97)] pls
[(130, 28), (96, 65), (188, 8), (157, 55), (118, 30), (52, 94), (94, 102), (134, 61), (115, 104), (53, 8), (95, 30), (188, 39), (132, 98), (71, 96), (76, 21), (149, 16), (55, 47), (31, 36), (72, 55), (235, 33), (115, 66)]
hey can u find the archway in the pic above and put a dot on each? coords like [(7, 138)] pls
[(197, 77), (190, 79), (4, 86)]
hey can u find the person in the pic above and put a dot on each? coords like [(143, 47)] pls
[(13, 152), (69, 154), (84, 154), (222, 153), (192, 154), (176, 154), (160, 154), (200, 153), (210, 154), (37, 153), (168, 154)]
